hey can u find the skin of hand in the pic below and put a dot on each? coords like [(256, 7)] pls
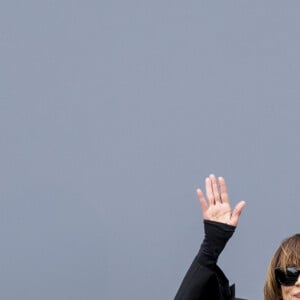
[(216, 206)]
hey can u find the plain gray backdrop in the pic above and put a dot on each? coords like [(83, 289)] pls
[(113, 113)]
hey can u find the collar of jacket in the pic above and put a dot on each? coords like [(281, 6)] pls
[(232, 292)]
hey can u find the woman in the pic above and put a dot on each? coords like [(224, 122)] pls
[(206, 281), (283, 281)]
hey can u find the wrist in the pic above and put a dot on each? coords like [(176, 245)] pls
[(217, 235)]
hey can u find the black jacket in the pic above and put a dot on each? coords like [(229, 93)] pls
[(205, 280)]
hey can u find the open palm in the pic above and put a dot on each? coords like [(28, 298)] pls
[(216, 206)]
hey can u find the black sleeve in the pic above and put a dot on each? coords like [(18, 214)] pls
[(205, 280)]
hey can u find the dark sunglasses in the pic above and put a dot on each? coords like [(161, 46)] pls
[(288, 277)]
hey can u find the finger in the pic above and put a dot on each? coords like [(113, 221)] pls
[(223, 190), (215, 188), (202, 201), (237, 212), (209, 192)]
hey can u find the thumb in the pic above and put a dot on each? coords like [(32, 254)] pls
[(237, 212)]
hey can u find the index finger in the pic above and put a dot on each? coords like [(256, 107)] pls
[(223, 190)]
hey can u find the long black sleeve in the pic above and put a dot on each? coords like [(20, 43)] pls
[(205, 280)]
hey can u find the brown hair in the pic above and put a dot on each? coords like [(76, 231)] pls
[(287, 254)]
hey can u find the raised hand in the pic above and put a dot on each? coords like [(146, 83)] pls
[(216, 206)]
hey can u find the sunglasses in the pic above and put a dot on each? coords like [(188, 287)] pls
[(288, 277)]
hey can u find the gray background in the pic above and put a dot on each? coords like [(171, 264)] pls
[(113, 113)]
